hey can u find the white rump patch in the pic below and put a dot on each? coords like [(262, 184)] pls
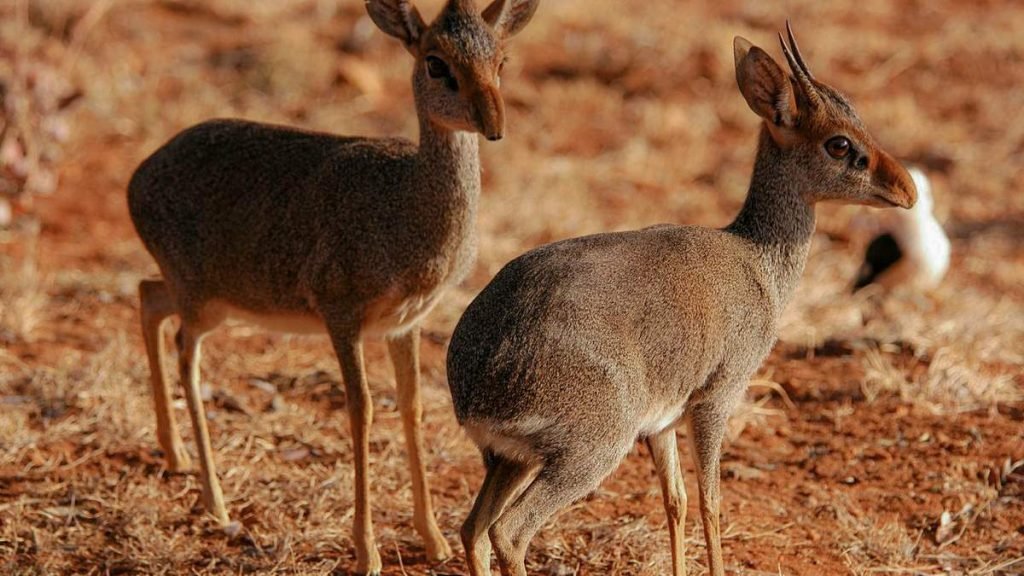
[(508, 439)]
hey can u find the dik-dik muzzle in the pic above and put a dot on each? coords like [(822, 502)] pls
[(489, 109), (896, 187)]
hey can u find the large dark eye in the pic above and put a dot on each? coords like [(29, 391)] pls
[(838, 147), (436, 68)]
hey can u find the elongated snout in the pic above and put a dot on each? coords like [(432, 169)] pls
[(490, 112), (893, 181)]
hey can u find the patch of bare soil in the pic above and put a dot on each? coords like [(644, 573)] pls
[(885, 434)]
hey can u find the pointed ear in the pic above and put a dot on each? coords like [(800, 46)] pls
[(764, 85), (398, 18), (508, 17)]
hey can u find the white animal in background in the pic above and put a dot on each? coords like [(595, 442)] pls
[(911, 248)]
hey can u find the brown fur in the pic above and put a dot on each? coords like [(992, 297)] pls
[(579, 348), (305, 231)]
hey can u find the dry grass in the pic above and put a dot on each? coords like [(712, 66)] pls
[(619, 118), (873, 545), (36, 92), (22, 294)]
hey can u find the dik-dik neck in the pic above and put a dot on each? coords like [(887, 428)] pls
[(448, 185), (449, 161), (777, 220)]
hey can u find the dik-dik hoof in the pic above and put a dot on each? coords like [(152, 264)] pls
[(213, 503), (369, 566), (178, 460), (223, 520), (436, 546), (439, 550), (232, 529)]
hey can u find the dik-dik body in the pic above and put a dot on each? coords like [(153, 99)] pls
[(305, 231), (579, 348)]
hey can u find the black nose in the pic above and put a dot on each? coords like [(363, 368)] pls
[(494, 137)]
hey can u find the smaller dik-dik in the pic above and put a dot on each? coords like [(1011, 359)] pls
[(579, 348), (305, 231)]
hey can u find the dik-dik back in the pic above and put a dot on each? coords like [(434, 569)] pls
[(312, 213), (643, 316)]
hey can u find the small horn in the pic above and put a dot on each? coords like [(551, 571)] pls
[(796, 51), (799, 69)]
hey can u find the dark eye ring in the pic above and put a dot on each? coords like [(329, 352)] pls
[(838, 147), (436, 68)]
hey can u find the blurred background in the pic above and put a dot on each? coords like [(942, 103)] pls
[(884, 434)]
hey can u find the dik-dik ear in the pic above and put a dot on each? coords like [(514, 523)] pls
[(398, 18), (765, 86), (508, 17)]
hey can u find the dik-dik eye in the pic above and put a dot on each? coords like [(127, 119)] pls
[(436, 68), (838, 147), (439, 70)]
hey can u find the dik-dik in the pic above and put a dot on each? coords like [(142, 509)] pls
[(304, 231), (579, 348)]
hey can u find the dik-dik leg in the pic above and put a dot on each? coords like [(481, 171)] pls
[(665, 454), (349, 348), (707, 424), (189, 337), (561, 481), (405, 355), (503, 480), (156, 306)]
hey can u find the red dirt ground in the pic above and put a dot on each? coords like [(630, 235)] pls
[(823, 478)]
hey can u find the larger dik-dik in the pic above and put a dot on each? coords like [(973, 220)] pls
[(306, 231), (579, 348)]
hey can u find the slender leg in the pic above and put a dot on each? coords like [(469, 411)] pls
[(188, 341), (707, 428), (504, 478), (559, 483), (156, 307), (360, 410), (665, 454), (405, 355)]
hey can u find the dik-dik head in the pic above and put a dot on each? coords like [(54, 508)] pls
[(824, 145), (459, 58)]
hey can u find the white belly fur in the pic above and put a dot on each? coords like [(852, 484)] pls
[(394, 314), (289, 322), (388, 315)]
